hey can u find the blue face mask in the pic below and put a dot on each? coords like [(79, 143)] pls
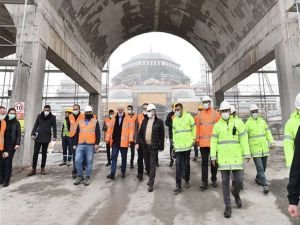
[(11, 116)]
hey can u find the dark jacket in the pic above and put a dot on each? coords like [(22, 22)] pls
[(42, 126), (158, 134), (294, 179), (169, 122), (12, 135), (97, 131), (116, 136)]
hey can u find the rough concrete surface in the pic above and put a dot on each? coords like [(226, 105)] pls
[(54, 200)]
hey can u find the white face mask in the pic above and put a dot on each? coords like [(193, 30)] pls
[(75, 112), (2, 117), (254, 115), (145, 112), (110, 116), (149, 114), (225, 115), (46, 113), (205, 105), (177, 113), (129, 112)]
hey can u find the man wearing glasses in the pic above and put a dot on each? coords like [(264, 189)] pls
[(184, 137)]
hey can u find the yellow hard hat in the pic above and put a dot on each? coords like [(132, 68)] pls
[(69, 110), (200, 106)]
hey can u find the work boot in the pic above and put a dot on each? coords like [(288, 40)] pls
[(87, 181), (214, 184), (79, 180), (43, 172), (177, 190), (150, 188), (258, 182), (266, 189), (171, 163), (110, 176), (140, 177), (68, 163), (237, 199), (227, 212), (62, 164), (108, 164), (187, 184), (32, 172), (203, 186)]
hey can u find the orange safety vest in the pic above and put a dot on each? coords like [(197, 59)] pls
[(2, 130), (108, 123), (140, 119), (133, 121), (205, 121), (87, 134), (126, 134), (74, 123)]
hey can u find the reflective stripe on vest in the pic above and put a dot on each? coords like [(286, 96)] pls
[(243, 133), (230, 166), (87, 134), (261, 154), (228, 142), (257, 136), (183, 131), (288, 137), (204, 137)]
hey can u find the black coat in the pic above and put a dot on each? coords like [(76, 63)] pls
[(294, 179), (14, 135), (158, 134), (42, 126), (169, 123)]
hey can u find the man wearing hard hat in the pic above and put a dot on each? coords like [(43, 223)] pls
[(87, 139), (229, 145), (260, 140), (292, 156), (65, 139)]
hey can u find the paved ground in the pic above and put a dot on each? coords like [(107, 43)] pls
[(53, 199)]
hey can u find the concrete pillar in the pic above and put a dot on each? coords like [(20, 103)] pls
[(96, 102), (219, 98), (287, 55), (28, 88)]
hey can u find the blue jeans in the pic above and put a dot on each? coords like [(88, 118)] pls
[(114, 158), (87, 152), (261, 166)]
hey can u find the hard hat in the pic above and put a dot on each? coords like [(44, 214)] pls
[(224, 106), (232, 109), (88, 109), (173, 105), (70, 110), (297, 101), (253, 107), (206, 98), (200, 106), (151, 107)]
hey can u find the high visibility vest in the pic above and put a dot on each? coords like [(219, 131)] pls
[(133, 121), (126, 134), (228, 149), (66, 132), (140, 119), (205, 121), (87, 134), (74, 123), (2, 130), (290, 132)]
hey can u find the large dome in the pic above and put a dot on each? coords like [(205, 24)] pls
[(151, 55)]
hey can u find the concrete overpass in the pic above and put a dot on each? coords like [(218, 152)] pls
[(235, 37)]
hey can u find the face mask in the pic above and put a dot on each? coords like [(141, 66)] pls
[(254, 115), (75, 112), (46, 113), (225, 115), (205, 106), (149, 114), (2, 117), (177, 113), (129, 112), (145, 112), (110, 116), (11, 116), (88, 116)]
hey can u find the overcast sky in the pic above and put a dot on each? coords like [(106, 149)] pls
[(182, 52)]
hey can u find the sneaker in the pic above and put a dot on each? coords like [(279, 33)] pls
[(177, 190), (227, 212), (32, 172), (214, 184), (110, 176), (203, 186), (150, 188), (140, 177), (62, 164), (87, 181), (78, 180), (187, 184), (68, 163), (266, 189), (108, 164), (238, 200)]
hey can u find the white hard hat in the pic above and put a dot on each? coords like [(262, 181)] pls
[(232, 109), (88, 109), (151, 107), (253, 107), (224, 105), (206, 98), (297, 101)]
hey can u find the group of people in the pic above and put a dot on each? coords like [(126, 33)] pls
[(223, 138)]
